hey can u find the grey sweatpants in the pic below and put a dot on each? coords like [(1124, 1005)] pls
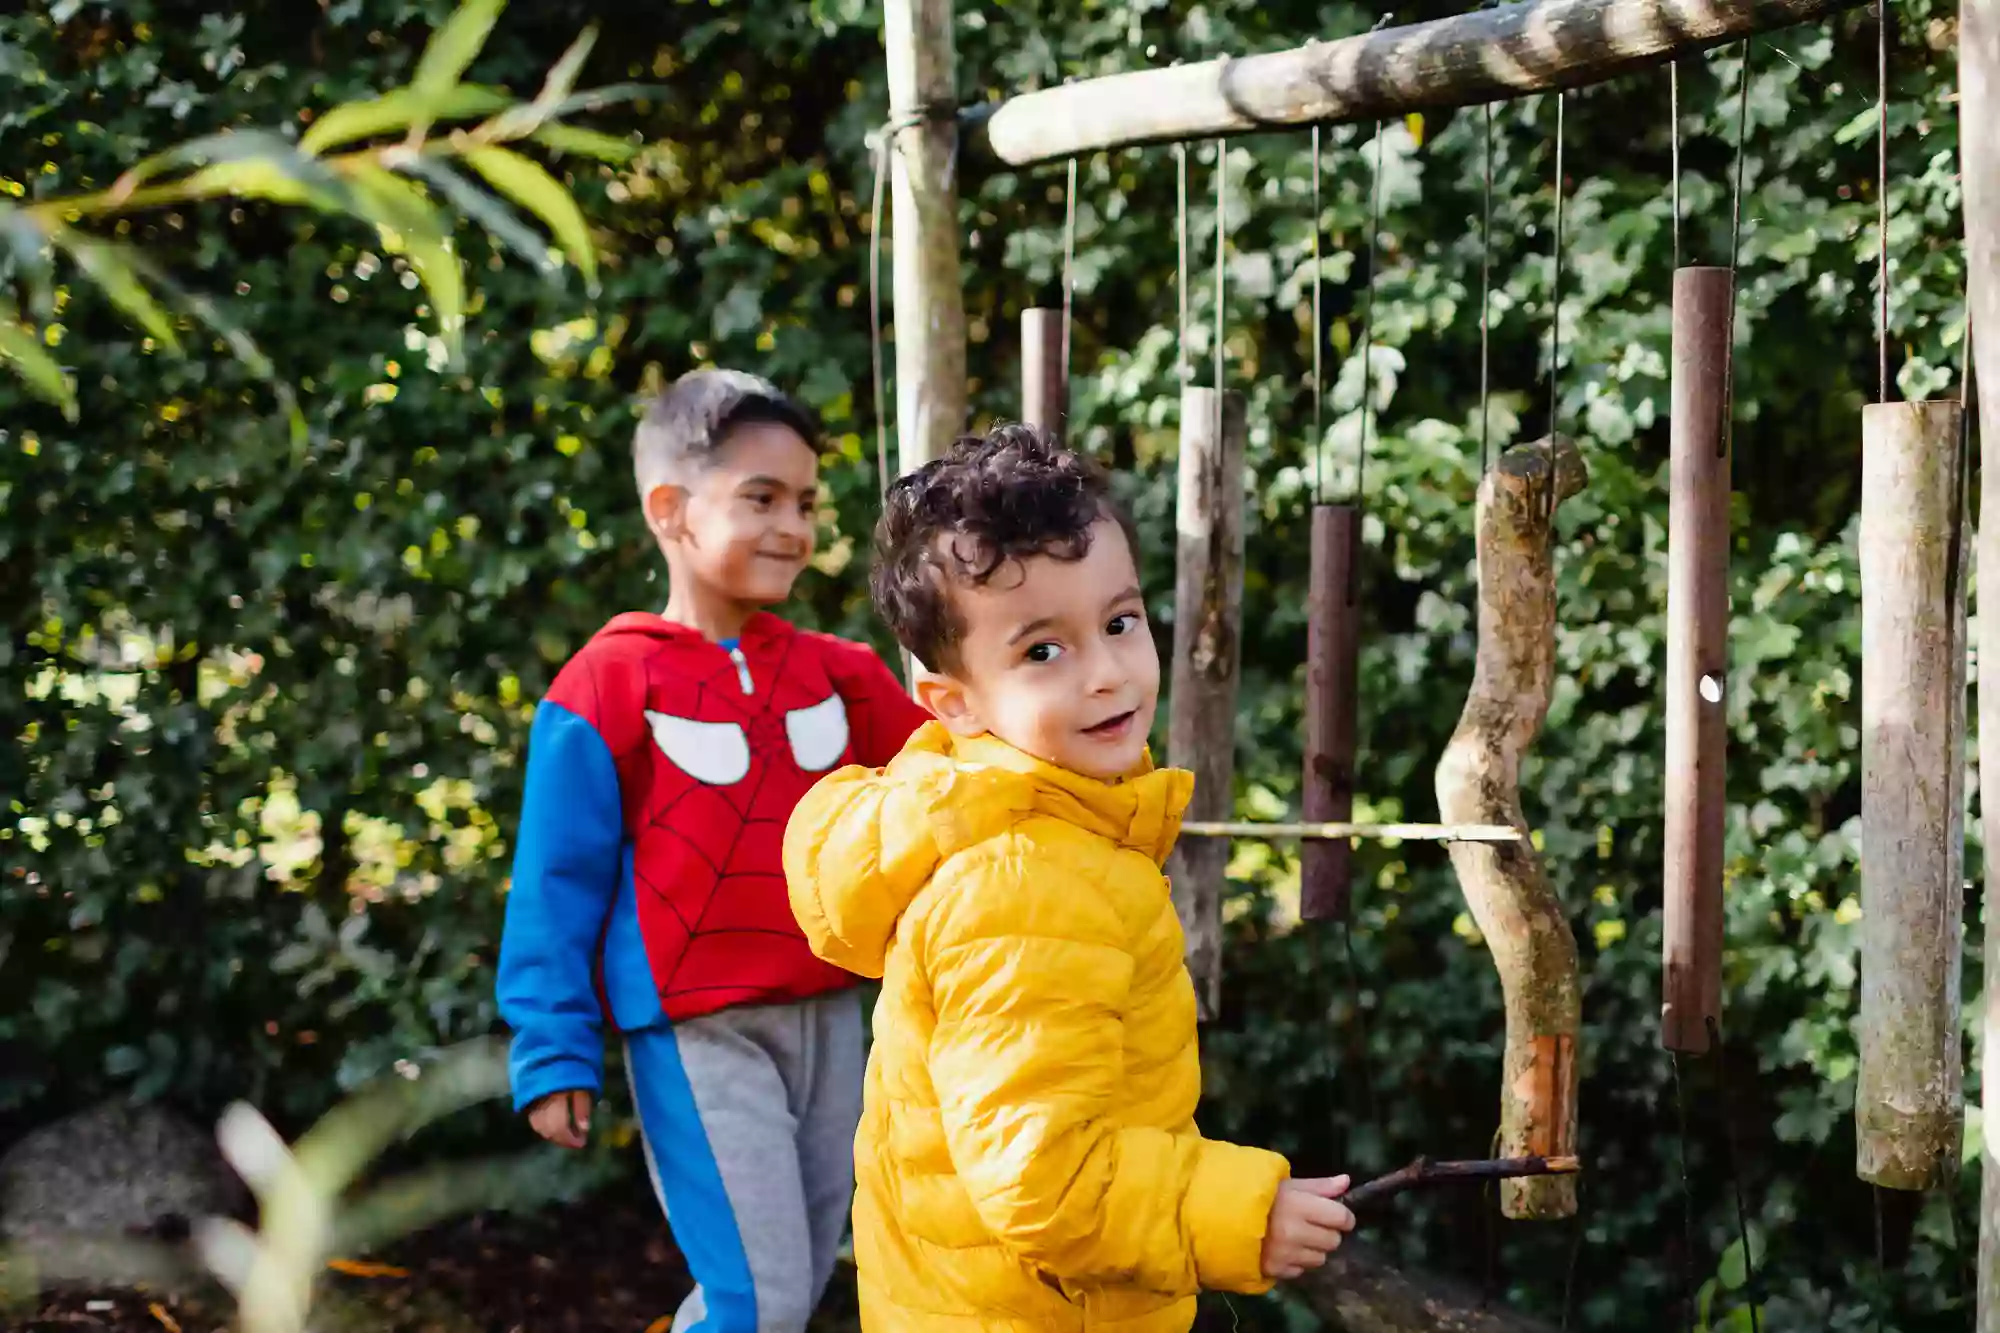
[(748, 1118)]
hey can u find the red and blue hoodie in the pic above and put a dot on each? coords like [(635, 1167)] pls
[(648, 880)]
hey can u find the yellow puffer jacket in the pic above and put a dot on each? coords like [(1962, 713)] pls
[(1028, 1157)]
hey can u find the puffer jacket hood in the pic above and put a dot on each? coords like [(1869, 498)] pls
[(863, 843)]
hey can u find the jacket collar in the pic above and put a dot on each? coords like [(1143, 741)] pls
[(1141, 811)]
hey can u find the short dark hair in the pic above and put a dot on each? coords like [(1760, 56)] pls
[(1011, 493), (684, 426)]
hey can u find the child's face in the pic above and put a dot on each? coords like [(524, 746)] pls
[(1056, 660), (745, 525)]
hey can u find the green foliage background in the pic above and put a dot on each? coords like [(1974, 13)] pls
[(268, 705)]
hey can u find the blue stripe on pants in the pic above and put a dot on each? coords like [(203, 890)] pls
[(690, 1184)]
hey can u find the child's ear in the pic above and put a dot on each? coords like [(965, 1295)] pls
[(947, 701), (666, 511)]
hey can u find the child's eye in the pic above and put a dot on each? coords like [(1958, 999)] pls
[(1043, 652), (1123, 624)]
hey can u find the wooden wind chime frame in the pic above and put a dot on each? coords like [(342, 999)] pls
[(1913, 613)]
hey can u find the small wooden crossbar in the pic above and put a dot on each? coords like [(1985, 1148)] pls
[(1383, 832)]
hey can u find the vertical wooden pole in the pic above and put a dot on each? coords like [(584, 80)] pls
[(1208, 623), (929, 310), (1979, 170), (1908, 1099), (1044, 377), (1697, 657), (1333, 647)]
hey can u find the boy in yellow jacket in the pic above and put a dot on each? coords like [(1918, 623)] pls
[(1027, 1156)]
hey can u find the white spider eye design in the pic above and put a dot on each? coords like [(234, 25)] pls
[(715, 753), (818, 734)]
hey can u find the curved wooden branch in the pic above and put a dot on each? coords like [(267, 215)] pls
[(1479, 782), (1483, 56)]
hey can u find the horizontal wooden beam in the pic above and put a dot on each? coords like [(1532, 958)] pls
[(1196, 828), (1487, 55)]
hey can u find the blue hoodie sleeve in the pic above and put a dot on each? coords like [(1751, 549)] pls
[(566, 866)]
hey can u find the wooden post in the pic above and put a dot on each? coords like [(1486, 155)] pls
[(929, 297), (1478, 782), (1044, 377), (1979, 170), (1908, 1099), (1463, 59), (1208, 622), (1697, 657), (1333, 647)]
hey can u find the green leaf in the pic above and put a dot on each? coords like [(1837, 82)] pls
[(245, 163), (33, 265), (410, 226), (596, 99), (353, 121), (484, 209), (454, 47), (586, 143), (19, 346), (1864, 122), (562, 75), (530, 186), (110, 268)]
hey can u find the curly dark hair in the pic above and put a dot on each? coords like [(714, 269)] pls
[(1011, 493)]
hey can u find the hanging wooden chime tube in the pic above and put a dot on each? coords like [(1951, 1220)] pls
[(1697, 657), (1044, 377), (1207, 664), (1909, 1099), (1333, 646)]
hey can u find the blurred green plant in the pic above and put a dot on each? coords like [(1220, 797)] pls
[(395, 162)]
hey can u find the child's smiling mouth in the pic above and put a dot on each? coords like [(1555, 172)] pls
[(1112, 727)]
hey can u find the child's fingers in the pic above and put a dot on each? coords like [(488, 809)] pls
[(1330, 1187)]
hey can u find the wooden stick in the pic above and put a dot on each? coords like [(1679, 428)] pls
[(1483, 56), (929, 310), (1908, 1097), (1697, 657), (1979, 170), (1333, 648), (1423, 1171), (1044, 377), (1208, 611), (1478, 781), (1202, 828)]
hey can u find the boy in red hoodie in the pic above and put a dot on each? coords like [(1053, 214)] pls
[(648, 890)]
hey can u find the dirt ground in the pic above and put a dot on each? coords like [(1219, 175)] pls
[(605, 1265)]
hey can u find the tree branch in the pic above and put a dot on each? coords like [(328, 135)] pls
[(1483, 56)]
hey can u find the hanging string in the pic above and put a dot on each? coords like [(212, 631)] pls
[(1486, 304), (1318, 337), (882, 142), (1068, 276), (1735, 1167), (1882, 192), (1183, 370), (1674, 123), (1726, 437), (1221, 236), (1368, 328), (1579, 1228), (1556, 297), (1688, 1306)]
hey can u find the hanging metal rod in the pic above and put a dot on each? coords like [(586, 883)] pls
[(1487, 55), (1400, 832)]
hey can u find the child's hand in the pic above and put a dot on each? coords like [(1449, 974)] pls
[(563, 1118), (1306, 1225)]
